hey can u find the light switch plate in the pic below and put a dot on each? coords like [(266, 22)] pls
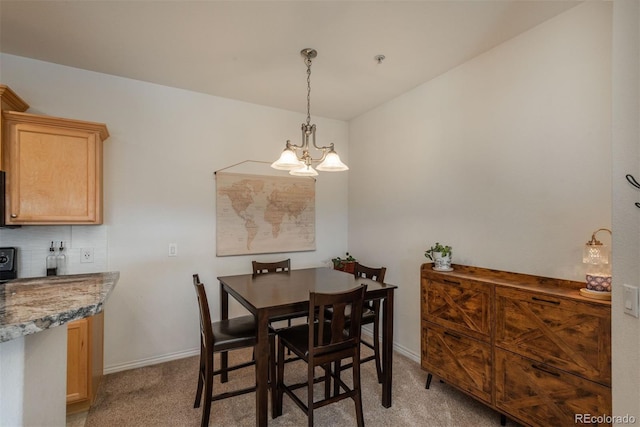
[(631, 300), (173, 249)]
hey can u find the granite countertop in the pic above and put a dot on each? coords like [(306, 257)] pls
[(31, 305)]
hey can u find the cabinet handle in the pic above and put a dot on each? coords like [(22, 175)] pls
[(14, 216), (539, 368), (545, 300), (452, 335), (451, 282)]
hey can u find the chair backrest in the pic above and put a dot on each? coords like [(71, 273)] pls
[(342, 331), (206, 331), (271, 267), (376, 274)]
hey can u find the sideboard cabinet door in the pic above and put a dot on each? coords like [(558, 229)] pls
[(460, 305), (542, 395), (458, 360), (569, 334), (54, 169)]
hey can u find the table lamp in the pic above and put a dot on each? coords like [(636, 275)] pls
[(596, 256)]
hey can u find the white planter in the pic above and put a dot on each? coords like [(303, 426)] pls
[(441, 262)]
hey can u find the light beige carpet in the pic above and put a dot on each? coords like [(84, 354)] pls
[(163, 395)]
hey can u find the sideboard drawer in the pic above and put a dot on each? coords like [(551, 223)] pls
[(460, 305), (458, 360), (571, 335), (541, 395)]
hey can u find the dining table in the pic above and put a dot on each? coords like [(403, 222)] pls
[(276, 294)]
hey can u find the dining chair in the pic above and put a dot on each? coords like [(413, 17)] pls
[(283, 266), (321, 342), (224, 335), (370, 315)]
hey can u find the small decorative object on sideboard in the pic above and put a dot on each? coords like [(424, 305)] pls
[(596, 256), (346, 264), (441, 256)]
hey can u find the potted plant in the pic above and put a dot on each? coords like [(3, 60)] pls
[(344, 264), (441, 256)]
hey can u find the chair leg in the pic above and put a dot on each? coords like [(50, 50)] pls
[(272, 376), (376, 341), (327, 380), (358, 395), (201, 373), (336, 383), (208, 391), (280, 382), (289, 325), (310, 377)]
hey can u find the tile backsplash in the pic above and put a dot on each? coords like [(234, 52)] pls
[(33, 247)]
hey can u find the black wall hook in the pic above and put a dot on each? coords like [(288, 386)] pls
[(635, 183)]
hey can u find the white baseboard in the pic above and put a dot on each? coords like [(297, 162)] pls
[(150, 361), (194, 352), (396, 347)]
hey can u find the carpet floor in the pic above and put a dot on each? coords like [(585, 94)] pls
[(163, 395)]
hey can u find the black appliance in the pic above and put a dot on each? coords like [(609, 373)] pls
[(8, 264)]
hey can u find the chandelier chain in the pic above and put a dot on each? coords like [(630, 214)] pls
[(308, 61)]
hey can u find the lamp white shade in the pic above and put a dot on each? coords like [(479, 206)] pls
[(304, 170), (332, 163), (288, 160), (595, 254)]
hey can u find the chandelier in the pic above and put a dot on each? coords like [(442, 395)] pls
[(300, 164)]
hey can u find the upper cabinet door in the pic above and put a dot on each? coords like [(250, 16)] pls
[(54, 169), (10, 101)]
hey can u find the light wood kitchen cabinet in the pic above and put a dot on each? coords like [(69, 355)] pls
[(84, 361), (54, 169), (9, 101), (532, 348)]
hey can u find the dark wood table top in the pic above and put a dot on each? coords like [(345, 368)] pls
[(286, 289)]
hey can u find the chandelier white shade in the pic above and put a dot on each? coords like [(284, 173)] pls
[(288, 160), (301, 164)]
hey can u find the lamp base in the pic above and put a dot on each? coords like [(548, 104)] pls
[(602, 295)]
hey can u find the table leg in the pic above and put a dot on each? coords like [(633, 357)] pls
[(224, 314), (262, 368), (387, 348)]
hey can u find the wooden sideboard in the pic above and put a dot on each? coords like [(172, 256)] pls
[(530, 347)]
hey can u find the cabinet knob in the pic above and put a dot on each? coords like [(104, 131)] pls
[(14, 216)]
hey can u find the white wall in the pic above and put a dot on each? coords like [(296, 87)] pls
[(159, 162), (507, 158), (626, 217)]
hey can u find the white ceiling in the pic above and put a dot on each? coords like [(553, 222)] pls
[(250, 50)]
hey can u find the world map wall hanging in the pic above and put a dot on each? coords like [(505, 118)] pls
[(264, 214)]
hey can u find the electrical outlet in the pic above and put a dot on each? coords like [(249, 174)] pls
[(86, 255), (173, 249)]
